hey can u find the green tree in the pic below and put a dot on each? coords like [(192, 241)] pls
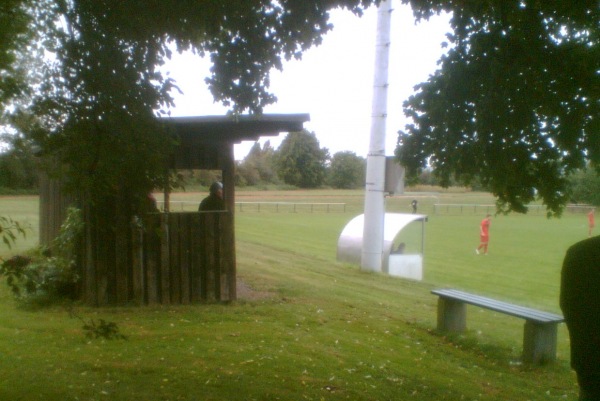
[(512, 102), (515, 101), (257, 166), (14, 35), (346, 171), (18, 167), (95, 88), (300, 161), (585, 186)]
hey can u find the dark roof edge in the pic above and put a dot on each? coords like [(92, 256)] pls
[(300, 117)]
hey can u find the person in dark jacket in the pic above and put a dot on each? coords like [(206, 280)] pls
[(580, 303), (214, 201), (414, 204)]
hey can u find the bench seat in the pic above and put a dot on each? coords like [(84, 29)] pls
[(540, 331)]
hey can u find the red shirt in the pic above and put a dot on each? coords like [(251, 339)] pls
[(485, 227)]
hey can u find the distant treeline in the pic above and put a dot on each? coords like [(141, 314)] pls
[(18, 169), (299, 162)]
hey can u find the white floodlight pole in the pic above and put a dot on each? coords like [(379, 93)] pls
[(372, 250)]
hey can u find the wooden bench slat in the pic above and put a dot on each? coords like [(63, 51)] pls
[(500, 306)]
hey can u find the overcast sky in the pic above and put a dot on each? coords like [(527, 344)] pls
[(334, 81)]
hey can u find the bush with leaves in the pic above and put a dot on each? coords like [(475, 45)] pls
[(47, 274), (11, 268)]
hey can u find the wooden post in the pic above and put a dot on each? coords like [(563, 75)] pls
[(196, 256), (137, 264), (152, 258), (185, 247), (167, 194), (89, 272), (53, 206), (209, 255), (122, 261), (227, 226), (164, 259), (174, 259)]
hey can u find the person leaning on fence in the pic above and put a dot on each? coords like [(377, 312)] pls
[(580, 303), (400, 249), (214, 201), (414, 205)]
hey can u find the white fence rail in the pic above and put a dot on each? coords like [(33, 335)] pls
[(457, 208), (292, 207)]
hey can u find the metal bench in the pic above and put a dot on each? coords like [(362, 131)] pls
[(539, 337)]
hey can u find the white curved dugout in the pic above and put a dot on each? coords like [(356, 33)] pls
[(408, 265)]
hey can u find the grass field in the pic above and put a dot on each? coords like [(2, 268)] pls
[(310, 328)]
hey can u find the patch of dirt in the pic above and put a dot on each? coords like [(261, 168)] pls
[(247, 293)]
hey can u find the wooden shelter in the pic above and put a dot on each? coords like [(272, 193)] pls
[(170, 257)]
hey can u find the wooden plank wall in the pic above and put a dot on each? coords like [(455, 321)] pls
[(54, 203), (170, 258)]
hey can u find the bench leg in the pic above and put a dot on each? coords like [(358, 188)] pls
[(539, 342), (452, 315)]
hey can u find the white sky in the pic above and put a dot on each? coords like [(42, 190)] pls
[(334, 81)]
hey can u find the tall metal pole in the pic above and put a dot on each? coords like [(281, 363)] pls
[(372, 250)]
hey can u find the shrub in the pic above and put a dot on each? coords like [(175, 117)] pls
[(48, 274)]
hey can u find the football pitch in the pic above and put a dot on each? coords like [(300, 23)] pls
[(311, 327), (525, 251)]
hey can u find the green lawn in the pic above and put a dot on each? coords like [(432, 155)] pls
[(315, 329), (25, 210)]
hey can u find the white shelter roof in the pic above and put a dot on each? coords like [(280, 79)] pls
[(351, 239)]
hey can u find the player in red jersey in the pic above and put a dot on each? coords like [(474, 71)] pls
[(484, 235), (590, 222)]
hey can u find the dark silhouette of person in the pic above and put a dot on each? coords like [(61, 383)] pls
[(580, 303), (414, 205), (214, 201), (400, 249), (150, 203)]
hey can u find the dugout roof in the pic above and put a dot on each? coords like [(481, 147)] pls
[(206, 142), (234, 129)]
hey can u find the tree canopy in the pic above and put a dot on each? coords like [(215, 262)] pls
[(300, 160), (13, 35), (98, 88), (515, 102), (347, 170), (585, 186), (18, 167), (257, 166)]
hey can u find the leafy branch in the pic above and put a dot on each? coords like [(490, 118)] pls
[(99, 329), (9, 229)]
